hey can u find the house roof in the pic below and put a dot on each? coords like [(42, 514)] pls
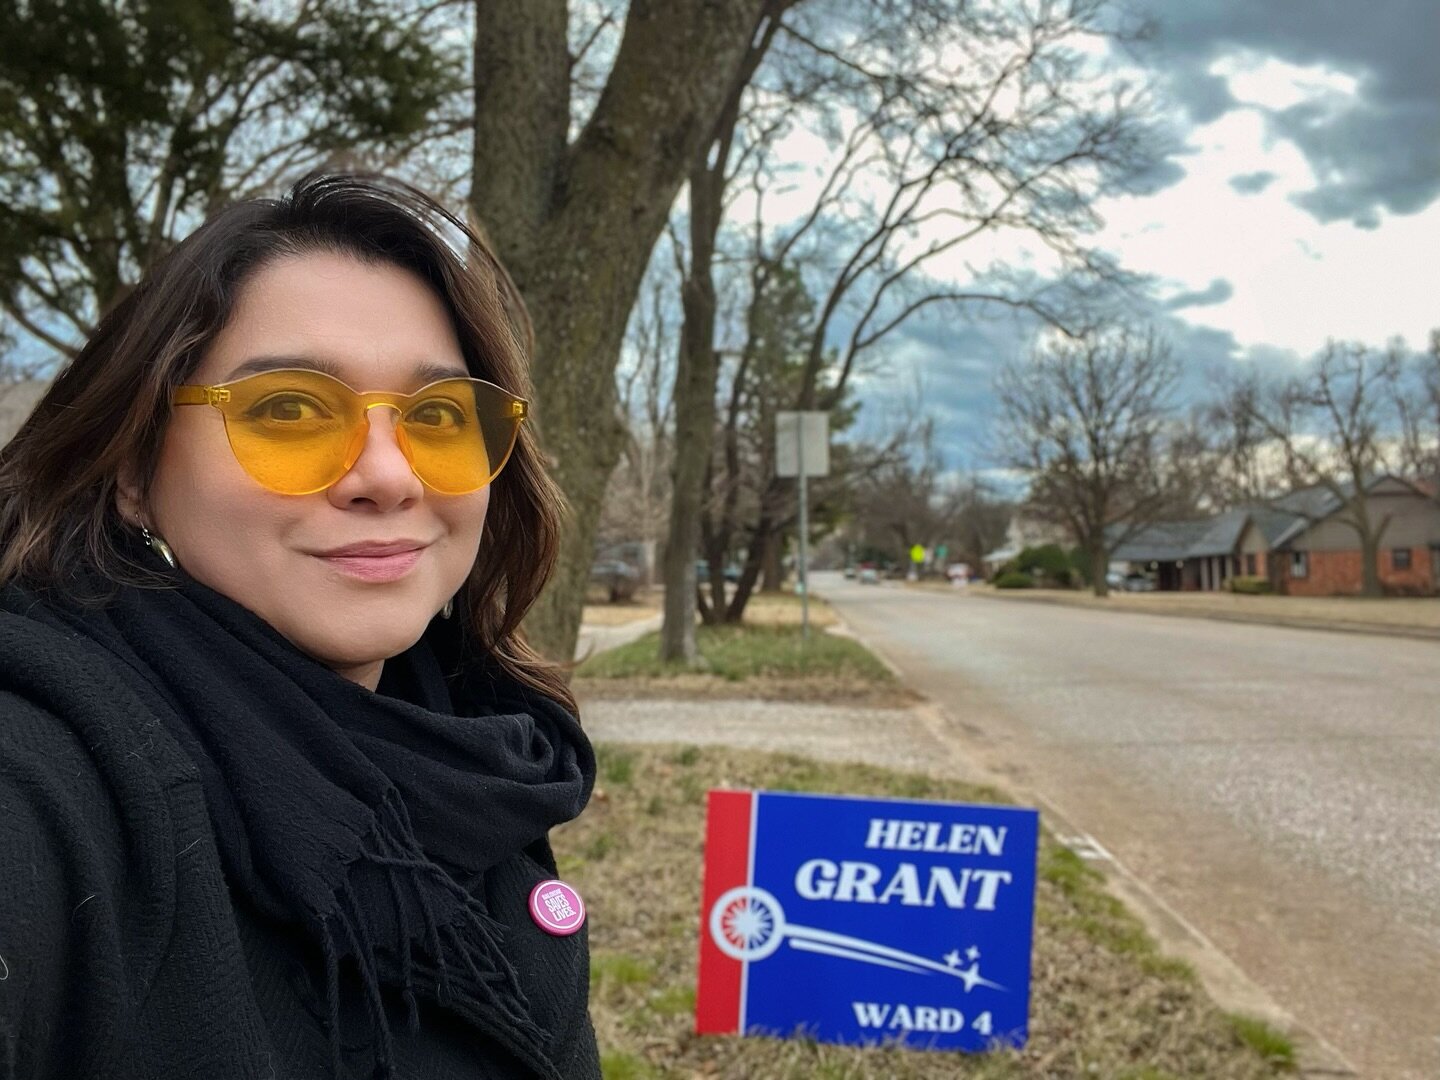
[(1176, 540), (1004, 554), (1223, 535), (1279, 521), (1272, 523), (1307, 506)]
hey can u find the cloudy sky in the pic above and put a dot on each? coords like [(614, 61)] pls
[(1302, 203)]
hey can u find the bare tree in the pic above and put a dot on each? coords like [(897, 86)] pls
[(901, 503), (574, 209), (697, 366), (1415, 396), (1084, 420), (1335, 428), (977, 520), (935, 152), (637, 499), (1235, 449)]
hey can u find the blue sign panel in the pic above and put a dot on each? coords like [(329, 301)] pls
[(867, 920)]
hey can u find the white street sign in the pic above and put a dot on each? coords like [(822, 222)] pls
[(802, 436)]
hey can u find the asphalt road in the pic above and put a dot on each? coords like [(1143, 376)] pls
[(1279, 788)]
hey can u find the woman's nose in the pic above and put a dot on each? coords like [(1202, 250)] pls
[(381, 474)]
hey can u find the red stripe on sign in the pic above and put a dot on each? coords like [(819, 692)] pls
[(727, 866)]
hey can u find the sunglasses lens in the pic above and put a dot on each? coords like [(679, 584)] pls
[(294, 431), (458, 434)]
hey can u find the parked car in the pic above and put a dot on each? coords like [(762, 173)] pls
[(869, 575), (614, 579), (849, 573), (1139, 583)]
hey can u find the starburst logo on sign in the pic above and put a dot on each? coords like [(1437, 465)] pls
[(747, 924)]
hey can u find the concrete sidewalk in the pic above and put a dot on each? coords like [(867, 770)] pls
[(597, 638), (907, 738)]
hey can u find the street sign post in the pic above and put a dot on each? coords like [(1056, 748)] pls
[(862, 921), (802, 448)]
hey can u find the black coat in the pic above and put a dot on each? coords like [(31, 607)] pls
[(122, 952)]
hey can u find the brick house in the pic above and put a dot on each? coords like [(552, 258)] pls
[(1319, 555), (1300, 542)]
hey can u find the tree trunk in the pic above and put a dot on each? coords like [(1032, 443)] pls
[(772, 573), (1370, 566), (696, 373), (1099, 570), (575, 224), (769, 521)]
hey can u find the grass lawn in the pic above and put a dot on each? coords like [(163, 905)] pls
[(740, 652), (763, 657), (1104, 1003)]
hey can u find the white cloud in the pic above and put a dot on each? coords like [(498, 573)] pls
[(1296, 282), (1256, 79)]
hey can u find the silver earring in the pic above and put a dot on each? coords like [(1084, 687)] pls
[(160, 547), (448, 609)]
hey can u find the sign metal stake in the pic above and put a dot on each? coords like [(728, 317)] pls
[(804, 574)]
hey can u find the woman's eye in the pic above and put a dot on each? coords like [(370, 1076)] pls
[(437, 414), (288, 408)]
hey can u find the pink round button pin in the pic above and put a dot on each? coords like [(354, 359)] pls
[(557, 908)]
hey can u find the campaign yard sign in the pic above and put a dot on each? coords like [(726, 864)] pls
[(852, 920)]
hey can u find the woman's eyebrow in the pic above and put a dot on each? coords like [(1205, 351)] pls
[(428, 373), (256, 364), (424, 372)]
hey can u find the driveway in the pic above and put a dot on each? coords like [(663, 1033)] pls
[(1279, 788)]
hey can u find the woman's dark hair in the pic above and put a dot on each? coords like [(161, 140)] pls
[(105, 415)]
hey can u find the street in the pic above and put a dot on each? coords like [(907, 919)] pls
[(1278, 788)]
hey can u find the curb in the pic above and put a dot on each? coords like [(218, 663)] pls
[(1224, 981), (1414, 633)]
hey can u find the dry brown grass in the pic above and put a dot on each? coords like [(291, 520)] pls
[(1400, 614), (1104, 1002), (645, 603), (815, 689), (783, 609)]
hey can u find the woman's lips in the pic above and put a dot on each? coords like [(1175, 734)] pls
[(375, 567)]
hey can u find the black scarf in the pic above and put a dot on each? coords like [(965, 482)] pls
[(358, 816)]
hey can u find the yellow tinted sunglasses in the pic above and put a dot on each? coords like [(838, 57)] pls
[(298, 431)]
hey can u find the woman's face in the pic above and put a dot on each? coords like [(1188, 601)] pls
[(375, 327)]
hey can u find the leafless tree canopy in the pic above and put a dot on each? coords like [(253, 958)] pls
[(1084, 419), (1337, 425), (943, 123), (1415, 395)]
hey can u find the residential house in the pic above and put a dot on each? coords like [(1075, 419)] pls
[(1024, 531), (1300, 543), (1319, 554)]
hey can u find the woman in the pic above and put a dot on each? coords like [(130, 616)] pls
[(276, 765)]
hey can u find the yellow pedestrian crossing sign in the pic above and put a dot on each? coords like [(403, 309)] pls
[(917, 554)]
